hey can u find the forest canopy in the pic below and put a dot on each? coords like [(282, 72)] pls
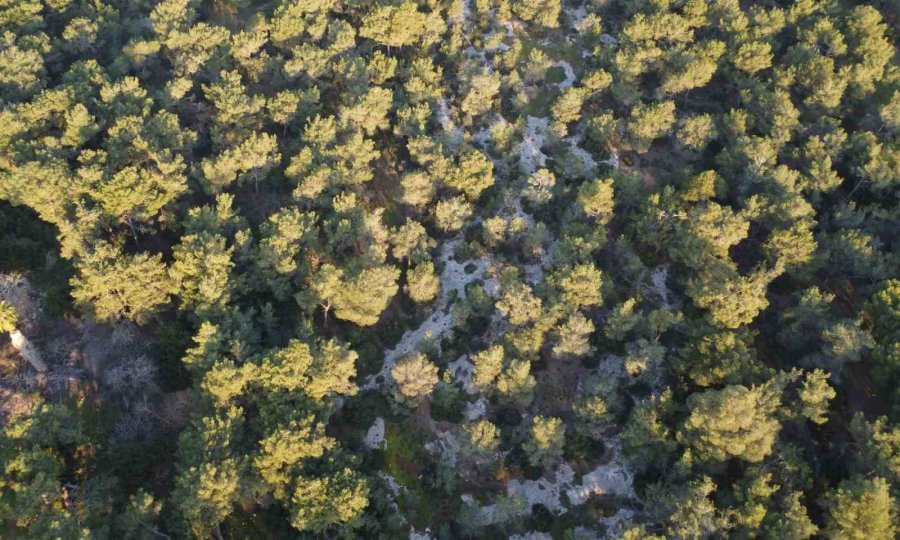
[(533, 269)]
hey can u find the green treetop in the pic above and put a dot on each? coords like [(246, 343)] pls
[(414, 378), (111, 284), (545, 443), (733, 422), (861, 508)]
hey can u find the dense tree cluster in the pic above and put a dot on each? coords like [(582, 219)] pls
[(451, 268)]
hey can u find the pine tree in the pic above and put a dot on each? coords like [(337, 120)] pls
[(201, 273), (404, 24), (545, 444), (861, 508), (733, 422), (414, 378), (319, 503), (111, 284), (519, 304), (422, 284), (596, 200), (487, 366)]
